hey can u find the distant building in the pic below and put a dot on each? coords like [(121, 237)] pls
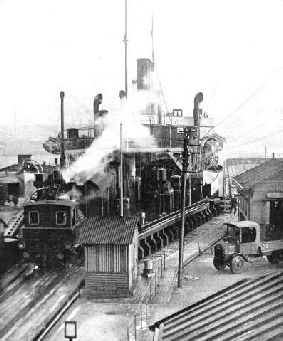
[(261, 194)]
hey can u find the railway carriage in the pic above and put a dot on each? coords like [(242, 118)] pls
[(50, 231)]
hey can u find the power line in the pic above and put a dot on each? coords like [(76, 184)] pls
[(257, 139), (162, 93), (211, 97), (246, 100), (251, 130)]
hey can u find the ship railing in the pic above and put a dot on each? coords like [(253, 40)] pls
[(82, 143)]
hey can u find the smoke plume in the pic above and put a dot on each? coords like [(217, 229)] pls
[(96, 157)]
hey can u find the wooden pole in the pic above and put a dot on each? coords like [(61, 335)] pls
[(183, 205), (121, 171), (63, 156)]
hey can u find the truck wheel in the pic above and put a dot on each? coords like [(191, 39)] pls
[(219, 264), (236, 265), (273, 258)]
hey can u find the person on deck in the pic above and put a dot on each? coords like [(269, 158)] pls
[(233, 205)]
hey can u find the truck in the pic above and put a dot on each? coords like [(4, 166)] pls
[(242, 241)]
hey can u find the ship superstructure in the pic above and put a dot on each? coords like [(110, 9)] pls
[(144, 172)]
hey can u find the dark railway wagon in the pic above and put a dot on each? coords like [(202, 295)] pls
[(50, 231)]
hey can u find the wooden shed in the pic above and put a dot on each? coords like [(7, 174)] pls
[(111, 253), (261, 194)]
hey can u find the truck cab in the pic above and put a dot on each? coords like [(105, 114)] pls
[(242, 240), (244, 236)]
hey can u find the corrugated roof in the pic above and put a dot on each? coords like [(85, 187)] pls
[(57, 202), (248, 310), (259, 173), (237, 166), (9, 180), (108, 230)]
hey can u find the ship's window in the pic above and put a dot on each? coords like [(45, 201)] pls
[(33, 218), (74, 216), (61, 218)]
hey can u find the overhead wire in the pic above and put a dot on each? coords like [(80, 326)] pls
[(246, 100), (256, 139), (211, 97), (251, 130)]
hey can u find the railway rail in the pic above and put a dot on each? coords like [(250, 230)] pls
[(153, 236), (35, 303), (26, 300)]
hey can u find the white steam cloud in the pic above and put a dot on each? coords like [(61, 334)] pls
[(99, 153)]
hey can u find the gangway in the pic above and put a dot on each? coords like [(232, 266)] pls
[(14, 225)]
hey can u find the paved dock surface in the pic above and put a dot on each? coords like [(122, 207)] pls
[(114, 319)]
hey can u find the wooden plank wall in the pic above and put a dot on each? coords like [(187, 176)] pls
[(107, 285), (107, 258)]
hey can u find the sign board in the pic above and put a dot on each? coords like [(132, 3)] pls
[(70, 329), (276, 195), (180, 130)]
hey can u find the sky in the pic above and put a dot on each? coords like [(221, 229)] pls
[(231, 50)]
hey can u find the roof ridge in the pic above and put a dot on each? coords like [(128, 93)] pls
[(252, 170)]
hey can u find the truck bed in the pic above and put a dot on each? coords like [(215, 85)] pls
[(271, 245)]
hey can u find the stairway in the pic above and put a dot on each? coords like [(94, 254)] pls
[(81, 216), (14, 225)]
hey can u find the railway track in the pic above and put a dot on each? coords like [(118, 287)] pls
[(174, 216), (31, 304), (36, 302), (155, 235)]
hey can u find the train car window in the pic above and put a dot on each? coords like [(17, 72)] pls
[(74, 217), (33, 218), (61, 218)]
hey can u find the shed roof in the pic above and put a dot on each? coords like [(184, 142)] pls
[(56, 202), (108, 230), (259, 173), (248, 308), (9, 180), (237, 166), (243, 223)]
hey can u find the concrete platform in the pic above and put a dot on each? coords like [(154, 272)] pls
[(116, 319)]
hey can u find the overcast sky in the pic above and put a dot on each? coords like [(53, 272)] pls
[(231, 50)]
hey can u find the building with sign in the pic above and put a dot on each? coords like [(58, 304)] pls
[(261, 194)]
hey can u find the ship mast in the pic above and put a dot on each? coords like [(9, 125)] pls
[(126, 48), (152, 45)]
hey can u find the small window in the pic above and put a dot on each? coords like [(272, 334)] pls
[(33, 218), (248, 234), (61, 218), (74, 217)]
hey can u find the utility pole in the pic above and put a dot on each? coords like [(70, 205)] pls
[(183, 205), (62, 156), (121, 172), (188, 141)]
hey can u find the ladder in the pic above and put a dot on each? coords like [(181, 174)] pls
[(80, 214), (14, 225)]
